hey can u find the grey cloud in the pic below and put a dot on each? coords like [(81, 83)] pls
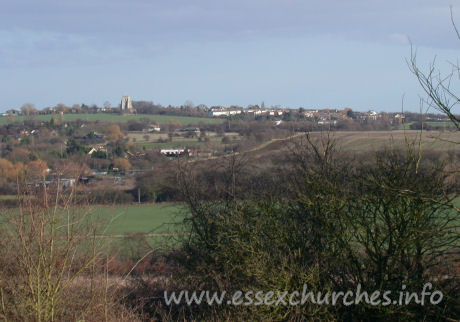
[(135, 28), (355, 18)]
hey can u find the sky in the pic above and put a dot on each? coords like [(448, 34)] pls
[(291, 53)]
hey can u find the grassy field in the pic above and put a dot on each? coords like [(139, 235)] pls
[(123, 226), (117, 220), (173, 144), (152, 137), (8, 197), (212, 144), (150, 140), (146, 218), (132, 219), (445, 125), (116, 118)]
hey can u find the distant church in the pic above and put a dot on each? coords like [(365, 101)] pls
[(126, 105)]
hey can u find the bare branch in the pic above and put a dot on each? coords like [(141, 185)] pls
[(453, 22)]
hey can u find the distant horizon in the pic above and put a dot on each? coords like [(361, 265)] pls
[(117, 106)]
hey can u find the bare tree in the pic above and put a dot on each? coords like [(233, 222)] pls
[(28, 109), (52, 264), (188, 104), (439, 86)]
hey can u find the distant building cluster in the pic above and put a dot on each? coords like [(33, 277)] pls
[(223, 111), (179, 152), (320, 116)]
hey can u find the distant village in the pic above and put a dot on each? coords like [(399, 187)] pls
[(319, 115), (110, 147)]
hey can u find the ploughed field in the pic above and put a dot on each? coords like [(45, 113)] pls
[(366, 141), (373, 140)]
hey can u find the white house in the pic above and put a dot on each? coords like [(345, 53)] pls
[(225, 112), (172, 152), (97, 149)]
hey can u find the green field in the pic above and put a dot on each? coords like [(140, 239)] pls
[(116, 118), (445, 125), (159, 225), (212, 144), (119, 220), (174, 144), (8, 197), (125, 227), (146, 218), (143, 218), (213, 141)]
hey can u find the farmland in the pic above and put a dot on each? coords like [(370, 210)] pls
[(159, 141), (357, 141), (156, 224), (114, 118), (149, 219), (144, 218), (353, 141), (373, 140), (439, 124)]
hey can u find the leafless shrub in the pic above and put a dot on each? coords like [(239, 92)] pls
[(52, 265)]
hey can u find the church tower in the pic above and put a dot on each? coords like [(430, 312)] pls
[(126, 105)]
